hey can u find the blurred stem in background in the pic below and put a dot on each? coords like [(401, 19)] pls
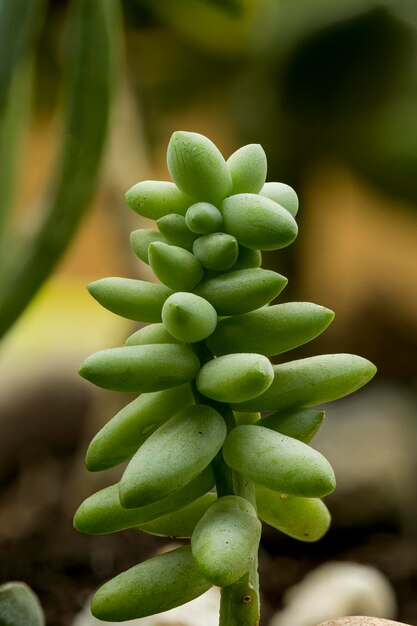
[(92, 54)]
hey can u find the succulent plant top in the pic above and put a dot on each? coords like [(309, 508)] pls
[(218, 438)]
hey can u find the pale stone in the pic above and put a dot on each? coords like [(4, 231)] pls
[(362, 621), (336, 589)]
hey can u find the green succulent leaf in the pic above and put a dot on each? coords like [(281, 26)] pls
[(314, 380), (181, 523), (299, 423), (156, 198), (204, 218), (141, 368), (175, 267), (153, 333), (173, 455), (271, 330), (19, 605), (102, 513), (283, 195), (217, 251), (247, 259), (156, 585), (225, 540), (189, 317), (241, 291), (235, 377), (305, 519), (278, 462), (258, 222), (197, 167), (141, 239), (176, 231), (136, 300), (248, 168), (121, 437)]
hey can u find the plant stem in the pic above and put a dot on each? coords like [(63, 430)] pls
[(239, 604)]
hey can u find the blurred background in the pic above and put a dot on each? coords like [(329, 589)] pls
[(90, 93)]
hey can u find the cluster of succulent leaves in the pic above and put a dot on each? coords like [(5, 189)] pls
[(218, 438)]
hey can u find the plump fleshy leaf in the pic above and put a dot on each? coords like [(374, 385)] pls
[(189, 317), (141, 368), (141, 239), (278, 462), (233, 377), (281, 194), (241, 291), (225, 540), (204, 218), (313, 380), (175, 267), (258, 222), (305, 519), (153, 333), (271, 330), (198, 167), (19, 606), (156, 198), (181, 523), (217, 251), (248, 169), (158, 584), (136, 300), (121, 437), (173, 455), (300, 423), (102, 513)]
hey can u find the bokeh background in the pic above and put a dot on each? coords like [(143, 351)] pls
[(90, 93)]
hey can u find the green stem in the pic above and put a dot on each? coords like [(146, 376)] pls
[(239, 604)]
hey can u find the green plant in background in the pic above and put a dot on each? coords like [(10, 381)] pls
[(19, 605), (92, 51), (203, 462)]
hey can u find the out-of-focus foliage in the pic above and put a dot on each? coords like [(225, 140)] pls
[(310, 81), (19, 605), (92, 45)]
